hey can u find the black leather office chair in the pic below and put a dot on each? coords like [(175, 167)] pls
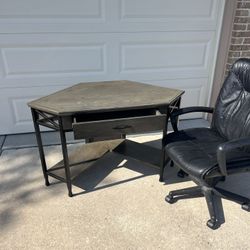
[(208, 155)]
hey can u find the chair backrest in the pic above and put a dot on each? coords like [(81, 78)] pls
[(231, 117)]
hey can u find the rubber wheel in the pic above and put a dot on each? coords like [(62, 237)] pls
[(246, 207), (170, 199), (213, 224)]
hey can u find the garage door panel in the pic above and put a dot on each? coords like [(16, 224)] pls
[(87, 9), (156, 9), (52, 60), (56, 60), (31, 16), (175, 55), (160, 56)]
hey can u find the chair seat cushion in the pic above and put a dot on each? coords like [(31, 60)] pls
[(194, 151)]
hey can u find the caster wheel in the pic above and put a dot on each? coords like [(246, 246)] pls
[(213, 224), (170, 199), (246, 207)]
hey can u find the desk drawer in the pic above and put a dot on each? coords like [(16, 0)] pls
[(118, 126)]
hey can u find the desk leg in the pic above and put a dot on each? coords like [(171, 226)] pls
[(163, 152), (40, 146), (65, 158), (162, 166)]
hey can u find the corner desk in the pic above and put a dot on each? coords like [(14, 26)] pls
[(103, 113)]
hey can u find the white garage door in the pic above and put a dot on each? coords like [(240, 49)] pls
[(50, 44)]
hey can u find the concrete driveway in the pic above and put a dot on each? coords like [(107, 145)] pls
[(121, 207)]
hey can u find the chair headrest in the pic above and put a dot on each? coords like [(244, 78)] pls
[(241, 68)]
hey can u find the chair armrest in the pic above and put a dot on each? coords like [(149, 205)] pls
[(174, 115), (226, 147)]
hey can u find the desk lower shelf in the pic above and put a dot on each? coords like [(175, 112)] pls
[(87, 155)]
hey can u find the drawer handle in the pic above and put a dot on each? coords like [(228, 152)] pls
[(122, 127)]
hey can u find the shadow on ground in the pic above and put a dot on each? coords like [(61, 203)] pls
[(22, 182)]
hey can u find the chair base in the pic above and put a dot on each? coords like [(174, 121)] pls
[(213, 197)]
